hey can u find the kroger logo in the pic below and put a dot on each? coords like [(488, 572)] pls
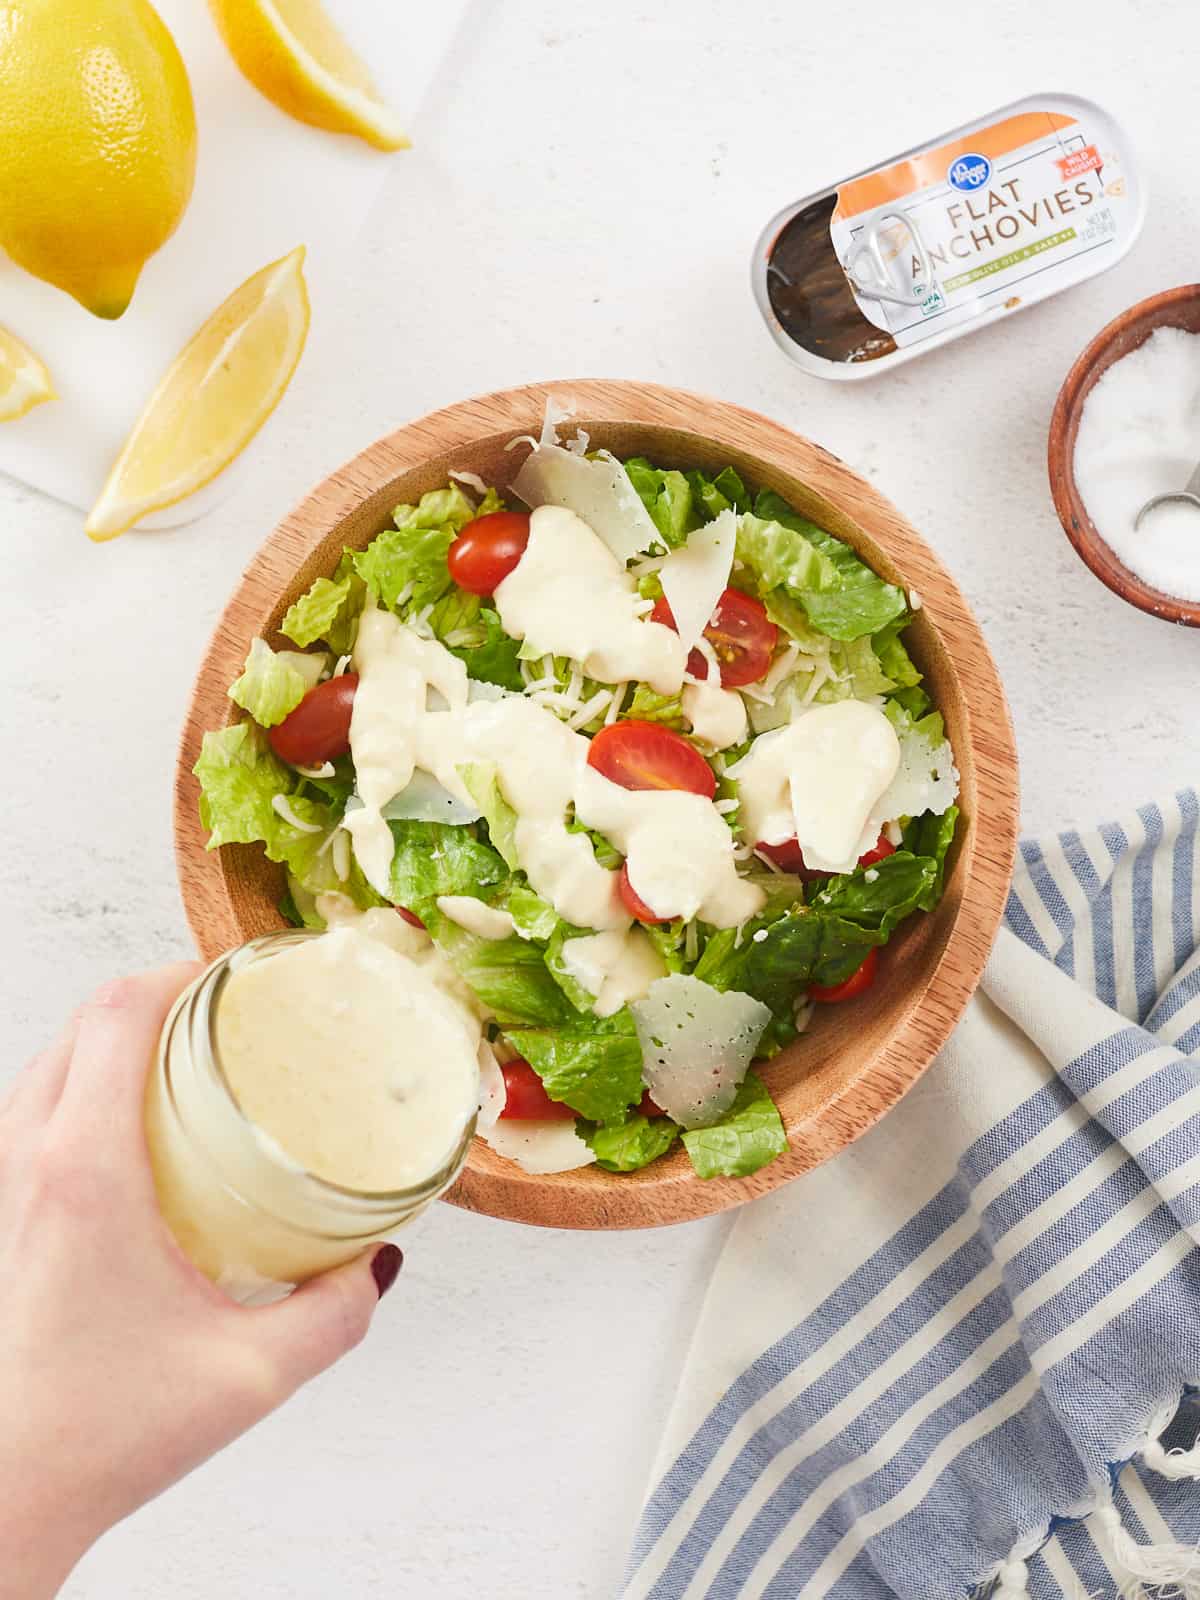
[(970, 172)]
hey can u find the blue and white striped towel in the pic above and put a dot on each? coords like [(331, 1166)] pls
[(963, 1352)]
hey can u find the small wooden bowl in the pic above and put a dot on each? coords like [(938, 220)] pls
[(1175, 308), (856, 1060)]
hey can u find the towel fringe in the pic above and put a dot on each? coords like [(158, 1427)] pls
[(1140, 1568), (1012, 1582), (1177, 1464)]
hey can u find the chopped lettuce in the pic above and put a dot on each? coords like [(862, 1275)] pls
[(483, 785), (329, 610), (782, 557), (879, 897), (649, 706), (894, 660), (434, 858), (593, 1064), (680, 501), (508, 975), (239, 779), (805, 945), (855, 601), (580, 996), (748, 1136), (931, 836), (405, 565), (532, 917), (630, 1145), (668, 939), (492, 657), (606, 853), (269, 687)]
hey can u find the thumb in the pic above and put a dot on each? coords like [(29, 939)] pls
[(326, 1317)]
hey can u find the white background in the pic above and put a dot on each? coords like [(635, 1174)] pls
[(583, 199)]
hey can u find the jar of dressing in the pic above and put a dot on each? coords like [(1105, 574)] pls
[(312, 1093)]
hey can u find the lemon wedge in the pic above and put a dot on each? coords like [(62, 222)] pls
[(24, 380), (294, 54), (215, 397)]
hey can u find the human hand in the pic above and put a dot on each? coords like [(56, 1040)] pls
[(121, 1366)]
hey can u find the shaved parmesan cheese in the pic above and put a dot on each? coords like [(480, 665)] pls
[(471, 479), (697, 1046), (493, 1096), (926, 780), (424, 799), (485, 922), (613, 967), (694, 576), (282, 807), (538, 1147), (598, 491)]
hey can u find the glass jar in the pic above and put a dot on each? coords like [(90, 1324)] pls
[(252, 1219)]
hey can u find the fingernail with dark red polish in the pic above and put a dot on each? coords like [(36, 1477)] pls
[(385, 1265)]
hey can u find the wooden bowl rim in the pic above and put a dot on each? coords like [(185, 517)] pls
[(1093, 551), (576, 1199)]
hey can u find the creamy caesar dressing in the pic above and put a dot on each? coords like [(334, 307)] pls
[(717, 716), (485, 922), (818, 780), (396, 670), (678, 849), (347, 1055), (570, 596), (613, 967), (676, 842)]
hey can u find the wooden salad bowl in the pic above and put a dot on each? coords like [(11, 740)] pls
[(856, 1060)]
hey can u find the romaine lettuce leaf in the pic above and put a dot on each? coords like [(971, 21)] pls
[(881, 896), (483, 785), (493, 659), (855, 601), (577, 993), (931, 837), (782, 557), (329, 610), (630, 1145), (805, 945), (668, 939), (508, 975), (748, 1136), (269, 686), (649, 706), (239, 779), (592, 1064), (434, 858), (533, 918), (894, 659), (667, 496), (405, 566)]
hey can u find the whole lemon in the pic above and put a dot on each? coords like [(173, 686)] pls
[(97, 143)]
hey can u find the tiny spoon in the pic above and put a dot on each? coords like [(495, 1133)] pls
[(1187, 496)]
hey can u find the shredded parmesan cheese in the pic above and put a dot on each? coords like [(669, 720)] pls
[(282, 807)]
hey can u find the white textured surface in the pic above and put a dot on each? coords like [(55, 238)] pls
[(583, 201), (264, 184)]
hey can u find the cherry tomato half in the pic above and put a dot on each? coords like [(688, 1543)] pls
[(647, 1108), (879, 851), (857, 983), (741, 634), (526, 1098), (789, 857), (632, 900), (410, 917), (487, 550), (645, 755), (319, 728)]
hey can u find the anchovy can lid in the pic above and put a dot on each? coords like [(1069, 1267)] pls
[(982, 221)]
